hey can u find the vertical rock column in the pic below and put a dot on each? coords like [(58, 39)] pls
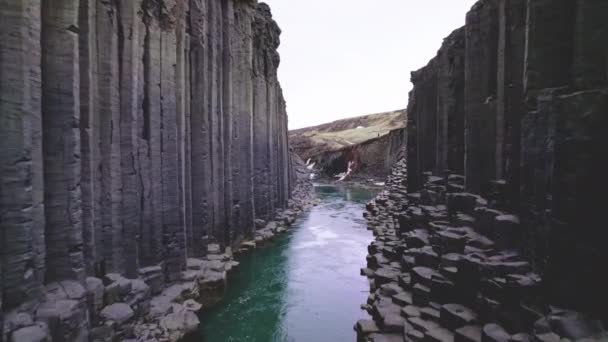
[(510, 100), (590, 60), (89, 137), (201, 128), (576, 242), (61, 140), (413, 166), (22, 248), (577, 238), (265, 63), (183, 96), (285, 158), (243, 119), (547, 66), (151, 248), (227, 106), (261, 146), (109, 137), (422, 123), (215, 100), (450, 105), (173, 230), (131, 32), (481, 33)]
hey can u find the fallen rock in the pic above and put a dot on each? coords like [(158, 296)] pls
[(117, 312), (179, 323), (38, 332)]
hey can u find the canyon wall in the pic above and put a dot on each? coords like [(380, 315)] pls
[(133, 134), (516, 101), (371, 158)]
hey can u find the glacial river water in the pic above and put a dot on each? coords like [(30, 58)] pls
[(306, 287)]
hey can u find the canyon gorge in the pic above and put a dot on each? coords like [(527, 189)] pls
[(144, 149)]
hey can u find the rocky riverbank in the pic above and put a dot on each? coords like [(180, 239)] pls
[(144, 308), (443, 268)]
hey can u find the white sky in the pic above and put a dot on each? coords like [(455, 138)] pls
[(344, 58)]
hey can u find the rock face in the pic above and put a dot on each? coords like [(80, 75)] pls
[(371, 143), (515, 102), (371, 158), (133, 133), (488, 229)]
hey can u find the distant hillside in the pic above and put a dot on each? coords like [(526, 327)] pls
[(333, 136)]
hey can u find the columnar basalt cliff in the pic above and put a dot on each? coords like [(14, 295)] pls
[(516, 102), (134, 134), (490, 229)]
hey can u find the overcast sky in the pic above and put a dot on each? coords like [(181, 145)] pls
[(344, 58)]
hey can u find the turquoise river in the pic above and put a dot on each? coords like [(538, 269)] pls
[(306, 286)]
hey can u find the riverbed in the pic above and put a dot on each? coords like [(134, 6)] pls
[(305, 286)]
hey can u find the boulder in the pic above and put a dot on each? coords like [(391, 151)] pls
[(38, 332), (179, 323), (117, 312)]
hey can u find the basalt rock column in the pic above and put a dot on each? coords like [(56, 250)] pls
[(450, 105), (510, 95), (481, 33), (266, 110), (242, 121), (22, 263), (422, 145), (61, 140)]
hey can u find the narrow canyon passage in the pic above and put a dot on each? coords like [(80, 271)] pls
[(305, 286)]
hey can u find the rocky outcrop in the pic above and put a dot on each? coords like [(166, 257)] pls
[(134, 133), (489, 231)]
